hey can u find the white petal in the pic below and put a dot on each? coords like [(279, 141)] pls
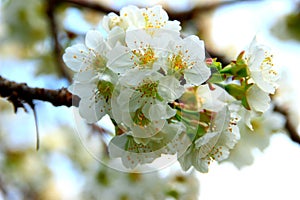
[(159, 13), (134, 77), (137, 39), (174, 26), (132, 16), (201, 164), (130, 160), (119, 59), (105, 22), (75, 57), (256, 59), (222, 153), (261, 83), (206, 143), (169, 88), (258, 99), (117, 145), (85, 76), (116, 35), (198, 74), (186, 159), (194, 47), (160, 111), (91, 110), (222, 120), (82, 90), (94, 40), (147, 131)]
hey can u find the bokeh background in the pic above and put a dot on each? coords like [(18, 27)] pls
[(33, 35)]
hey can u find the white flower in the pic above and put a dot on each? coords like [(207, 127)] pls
[(261, 67), (259, 137), (213, 99), (130, 16), (93, 80), (133, 152), (110, 184), (142, 52), (186, 60), (214, 145), (150, 19), (143, 105), (156, 17), (116, 36), (184, 187), (90, 56)]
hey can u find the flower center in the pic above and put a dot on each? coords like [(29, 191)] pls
[(100, 62), (149, 24), (145, 55), (177, 62), (140, 119), (105, 89), (148, 89), (269, 62), (132, 146)]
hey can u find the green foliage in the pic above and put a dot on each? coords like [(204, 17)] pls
[(215, 68), (288, 27), (46, 64), (293, 24), (237, 68), (25, 21)]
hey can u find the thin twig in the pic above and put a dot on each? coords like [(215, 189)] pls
[(36, 127), (3, 188)]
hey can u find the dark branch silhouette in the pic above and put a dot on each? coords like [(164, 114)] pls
[(289, 126), (57, 49), (181, 16), (20, 93)]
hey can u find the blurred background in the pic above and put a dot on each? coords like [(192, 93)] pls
[(33, 36)]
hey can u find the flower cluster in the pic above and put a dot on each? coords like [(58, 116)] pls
[(161, 92)]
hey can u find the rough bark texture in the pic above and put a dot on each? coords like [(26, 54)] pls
[(20, 93)]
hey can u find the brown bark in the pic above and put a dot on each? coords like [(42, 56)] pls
[(20, 93)]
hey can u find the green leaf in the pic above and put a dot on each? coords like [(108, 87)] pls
[(216, 78), (228, 69), (238, 68), (235, 90), (245, 103)]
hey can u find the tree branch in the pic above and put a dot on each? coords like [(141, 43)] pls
[(57, 49), (20, 93), (3, 188), (289, 126), (181, 16), (90, 5)]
